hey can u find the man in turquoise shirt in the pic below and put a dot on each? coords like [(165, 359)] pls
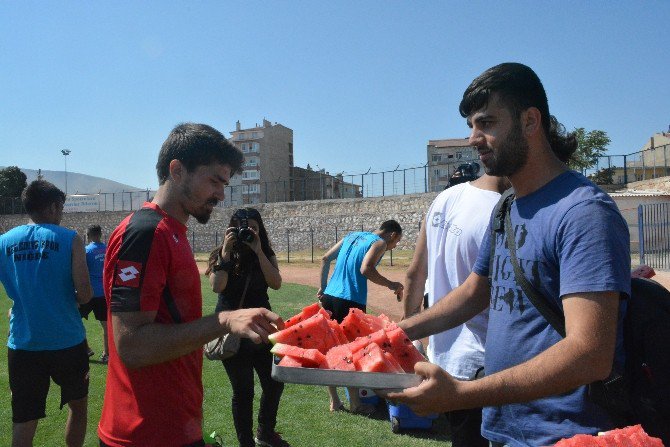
[(43, 269), (358, 255)]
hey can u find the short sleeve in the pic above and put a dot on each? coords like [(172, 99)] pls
[(593, 245), (140, 273), (481, 266)]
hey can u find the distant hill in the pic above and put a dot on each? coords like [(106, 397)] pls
[(78, 183)]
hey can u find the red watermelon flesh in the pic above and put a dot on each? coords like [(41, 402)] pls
[(340, 357), (632, 436), (357, 324), (339, 333), (290, 362), (305, 313), (378, 337), (311, 358), (313, 333), (373, 360), (389, 358), (403, 350)]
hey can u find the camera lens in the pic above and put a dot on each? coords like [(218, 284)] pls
[(245, 235)]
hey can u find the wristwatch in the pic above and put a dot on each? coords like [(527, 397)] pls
[(223, 265)]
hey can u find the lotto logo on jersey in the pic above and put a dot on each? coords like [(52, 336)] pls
[(128, 274)]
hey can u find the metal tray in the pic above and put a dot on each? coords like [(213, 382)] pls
[(332, 377)]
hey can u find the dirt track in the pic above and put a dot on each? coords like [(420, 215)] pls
[(380, 299)]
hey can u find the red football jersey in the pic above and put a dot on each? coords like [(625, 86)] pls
[(150, 264)]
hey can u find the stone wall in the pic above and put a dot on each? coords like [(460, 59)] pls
[(289, 224)]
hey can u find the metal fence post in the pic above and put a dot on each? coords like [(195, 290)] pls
[(193, 241), (311, 231), (640, 232), (288, 247)]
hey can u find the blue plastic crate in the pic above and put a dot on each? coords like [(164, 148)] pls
[(402, 417)]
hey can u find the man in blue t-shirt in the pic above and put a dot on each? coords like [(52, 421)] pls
[(572, 245), (43, 269), (95, 259), (358, 255)]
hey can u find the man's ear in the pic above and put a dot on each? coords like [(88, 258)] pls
[(177, 170), (531, 121)]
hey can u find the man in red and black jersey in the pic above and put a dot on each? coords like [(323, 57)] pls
[(154, 394)]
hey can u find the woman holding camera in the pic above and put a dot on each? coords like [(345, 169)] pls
[(240, 271)]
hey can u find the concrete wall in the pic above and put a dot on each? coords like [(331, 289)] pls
[(297, 224), (289, 223)]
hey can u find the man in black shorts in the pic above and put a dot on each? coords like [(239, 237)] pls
[(95, 259), (43, 270), (358, 255)]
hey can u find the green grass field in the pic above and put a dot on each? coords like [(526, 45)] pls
[(304, 419)]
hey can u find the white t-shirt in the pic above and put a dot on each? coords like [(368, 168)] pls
[(456, 222)]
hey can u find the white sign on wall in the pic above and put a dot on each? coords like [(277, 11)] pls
[(82, 203)]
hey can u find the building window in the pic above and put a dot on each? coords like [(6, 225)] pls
[(240, 136), (251, 189), (437, 157), (250, 175), (458, 155), (254, 135), (450, 156)]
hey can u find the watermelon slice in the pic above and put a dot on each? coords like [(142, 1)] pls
[(339, 333), (403, 350), (378, 337), (305, 313), (357, 324), (373, 360), (632, 436), (340, 357), (312, 333), (290, 362), (310, 358)]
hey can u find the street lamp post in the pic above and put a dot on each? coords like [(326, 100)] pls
[(65, 153)]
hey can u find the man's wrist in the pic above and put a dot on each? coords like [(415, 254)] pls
[(224, 321)]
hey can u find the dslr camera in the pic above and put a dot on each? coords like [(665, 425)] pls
[(243, 232)]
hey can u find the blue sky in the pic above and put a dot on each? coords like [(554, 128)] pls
[(363, 84)]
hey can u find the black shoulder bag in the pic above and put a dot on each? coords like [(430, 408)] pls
[(612, 393)]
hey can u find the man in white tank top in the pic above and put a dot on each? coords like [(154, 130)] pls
[(446, 250)]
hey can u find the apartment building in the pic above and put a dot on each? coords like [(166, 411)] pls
[(309, 184), (268, 160), (444, 157)]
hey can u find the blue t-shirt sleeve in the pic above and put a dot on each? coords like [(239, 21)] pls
[(481, 266), (593, 249)]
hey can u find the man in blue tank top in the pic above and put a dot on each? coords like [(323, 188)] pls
[(43, 269), (95, 260), (358, 255)]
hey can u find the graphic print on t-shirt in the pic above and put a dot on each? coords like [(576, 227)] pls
[(506, 294), (439, 221)]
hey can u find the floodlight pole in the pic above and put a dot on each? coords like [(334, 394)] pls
[(65, 153)]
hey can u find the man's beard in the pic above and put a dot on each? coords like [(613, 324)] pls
[(201, 213), (510, 156)]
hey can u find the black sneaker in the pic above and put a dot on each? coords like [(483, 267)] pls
[(271, 439), (104, 359)]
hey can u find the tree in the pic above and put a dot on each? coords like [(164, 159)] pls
[(12, 182), (590, 146), (604, 176)]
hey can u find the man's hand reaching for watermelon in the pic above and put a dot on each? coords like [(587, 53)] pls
[(255, 324)]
